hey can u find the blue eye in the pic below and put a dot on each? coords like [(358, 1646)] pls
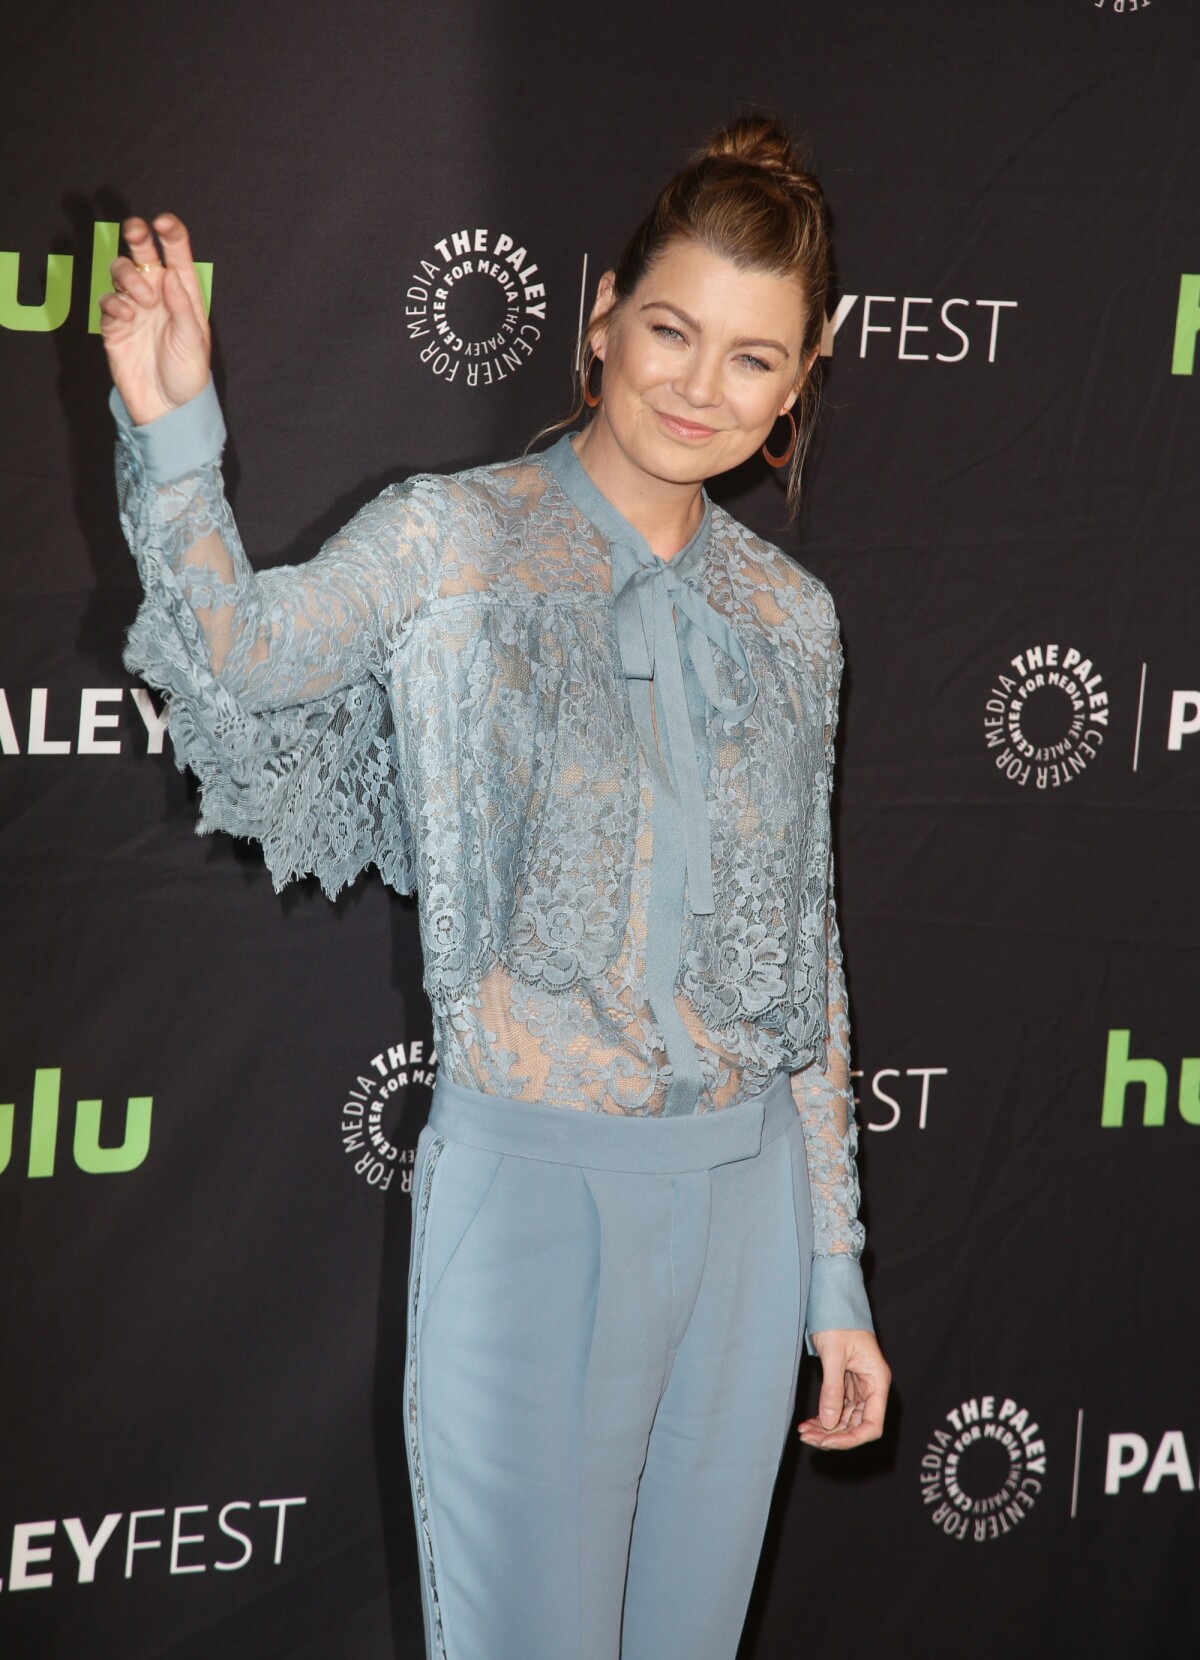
[(756, 363), (665, 328)]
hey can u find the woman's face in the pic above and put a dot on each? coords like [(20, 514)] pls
[(699, 363)]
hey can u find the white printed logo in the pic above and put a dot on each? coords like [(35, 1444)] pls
[(908, 1092), (73, 726), (199, 1537), (983, 1469), (1048, 718), (1128, 1455), (475, 312), (918, 334), (394, 1090)]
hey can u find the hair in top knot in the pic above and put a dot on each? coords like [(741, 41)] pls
[(747, 197), (759, 142)]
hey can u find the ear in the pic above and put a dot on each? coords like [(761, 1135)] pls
[(804, 374), (605, 294)]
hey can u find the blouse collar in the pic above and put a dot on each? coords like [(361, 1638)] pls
[(577, 484)]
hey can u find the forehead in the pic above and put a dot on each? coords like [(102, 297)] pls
[(719, 293)]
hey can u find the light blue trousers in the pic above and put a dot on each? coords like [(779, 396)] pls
[(606, 1317)]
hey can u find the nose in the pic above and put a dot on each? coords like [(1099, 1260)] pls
[(699, 380)]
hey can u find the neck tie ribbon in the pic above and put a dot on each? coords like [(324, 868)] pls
[(663, 624)]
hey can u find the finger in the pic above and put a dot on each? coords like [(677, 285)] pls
[(115, 309), (854, 1435), (179, 301), (874, 1408), (812, 1434), (863, 1423), (188, 329), (849, 1400), (127, 279), (140, 240), (870, 1394), (177, 253), (833, 1388), (856, 1395), (841, 1440)]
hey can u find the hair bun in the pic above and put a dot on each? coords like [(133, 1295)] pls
[(759, 141)]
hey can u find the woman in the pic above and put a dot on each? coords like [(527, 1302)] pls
[(589, 719)]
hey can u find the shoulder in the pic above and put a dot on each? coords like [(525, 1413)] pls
[(482, 498), (434, 511), (759, 566)]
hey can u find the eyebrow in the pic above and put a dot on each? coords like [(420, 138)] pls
[(665, 305)]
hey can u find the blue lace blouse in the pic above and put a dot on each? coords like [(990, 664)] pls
[(605, 774)]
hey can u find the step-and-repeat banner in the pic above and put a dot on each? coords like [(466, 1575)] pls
[(210, 1094)]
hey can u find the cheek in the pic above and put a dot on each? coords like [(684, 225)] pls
[(646, 368), (641, 362), (759, 405)]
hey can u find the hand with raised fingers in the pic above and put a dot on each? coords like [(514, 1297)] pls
[(855, 1380), (153, 324)]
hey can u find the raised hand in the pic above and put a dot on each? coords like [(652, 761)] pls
[(153, 323)]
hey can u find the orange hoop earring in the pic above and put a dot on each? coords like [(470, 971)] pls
[(781, 460), (589, 397)]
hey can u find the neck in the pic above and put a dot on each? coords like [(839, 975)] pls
[(667, 514)]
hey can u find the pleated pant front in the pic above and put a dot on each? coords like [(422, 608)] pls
[(606, 1317)]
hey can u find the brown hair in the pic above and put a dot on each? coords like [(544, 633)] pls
[(747, 198)]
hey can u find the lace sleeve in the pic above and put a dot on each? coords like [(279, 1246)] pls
[(275, 681), (825, 1099)]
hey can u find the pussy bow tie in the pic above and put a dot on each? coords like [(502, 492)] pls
[(661, 620)]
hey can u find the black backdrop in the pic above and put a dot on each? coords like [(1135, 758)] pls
[(200, 1437)]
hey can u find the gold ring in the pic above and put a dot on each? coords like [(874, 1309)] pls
[(138, 265)]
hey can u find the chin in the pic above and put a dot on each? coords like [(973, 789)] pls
[(681, 457), (680, 465)]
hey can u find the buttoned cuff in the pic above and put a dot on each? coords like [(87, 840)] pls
[(837, 1297), (178, 442)]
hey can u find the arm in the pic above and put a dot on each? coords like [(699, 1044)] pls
[(855, 1377), (281, 636), (277, 681), (825, 1100)]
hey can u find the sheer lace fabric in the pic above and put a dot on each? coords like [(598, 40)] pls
[(443, 692)]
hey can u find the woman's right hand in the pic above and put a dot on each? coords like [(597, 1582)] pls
[(153, 325)]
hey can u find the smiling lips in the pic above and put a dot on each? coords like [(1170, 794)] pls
[(684, 429)]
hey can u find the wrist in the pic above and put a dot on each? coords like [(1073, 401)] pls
[(147, 407), (180, 440)]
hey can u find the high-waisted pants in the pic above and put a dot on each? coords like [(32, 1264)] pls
[(606, 1317)]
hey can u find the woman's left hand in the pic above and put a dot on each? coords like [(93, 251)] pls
[(854, 1391)]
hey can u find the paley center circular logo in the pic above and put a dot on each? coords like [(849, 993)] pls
[(1046, 720), (384, 1110), (474, 308), (983, 1469)]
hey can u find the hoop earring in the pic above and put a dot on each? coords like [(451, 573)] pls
[(589, 397), (781, 460)]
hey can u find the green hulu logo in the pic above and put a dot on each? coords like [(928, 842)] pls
[(1120, 1071), (55, 307), (89, 1155), (1187, 325)]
